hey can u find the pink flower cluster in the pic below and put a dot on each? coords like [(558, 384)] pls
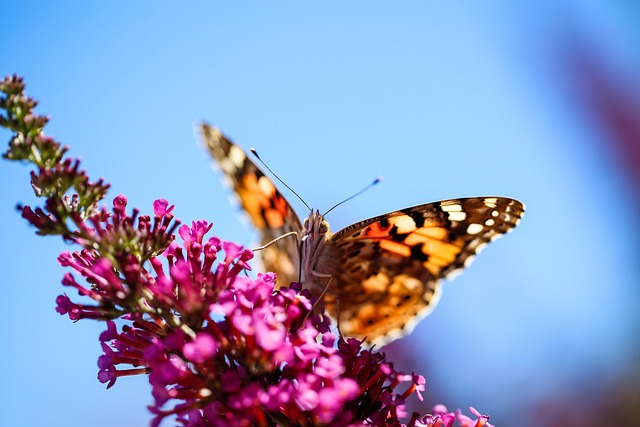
[(224, 349)]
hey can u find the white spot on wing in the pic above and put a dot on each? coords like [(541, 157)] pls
[(491, 202), (469, 260), (474, 228), (451, 208), (265, 185), (236, 156), (457, 216), (480, 247), (404, 223), (454, 273)]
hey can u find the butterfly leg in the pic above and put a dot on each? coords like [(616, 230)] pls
[(338, 318), (324, 291), (277, 239), (337, 297)]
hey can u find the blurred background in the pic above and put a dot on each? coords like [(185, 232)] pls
[(537, 100)]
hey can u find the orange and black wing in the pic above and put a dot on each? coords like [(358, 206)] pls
[(267, 209), (392, 264)]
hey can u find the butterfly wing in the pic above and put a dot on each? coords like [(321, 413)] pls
[(392, 264), (385, 271), (268, 210)]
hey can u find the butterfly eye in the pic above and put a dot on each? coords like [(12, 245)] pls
[(324, 227)]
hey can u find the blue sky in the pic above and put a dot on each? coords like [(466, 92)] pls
[(442, 100)]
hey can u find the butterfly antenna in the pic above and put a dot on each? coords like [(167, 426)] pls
[(255, 153), (375, 181)]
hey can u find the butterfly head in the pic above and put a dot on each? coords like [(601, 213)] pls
[(315, 226)]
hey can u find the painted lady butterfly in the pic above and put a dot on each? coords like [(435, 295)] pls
[(383, 273)]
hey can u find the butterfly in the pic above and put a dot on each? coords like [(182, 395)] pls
[(382, 274)]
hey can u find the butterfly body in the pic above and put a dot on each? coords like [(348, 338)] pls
[(384, 273), (316, 267)]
